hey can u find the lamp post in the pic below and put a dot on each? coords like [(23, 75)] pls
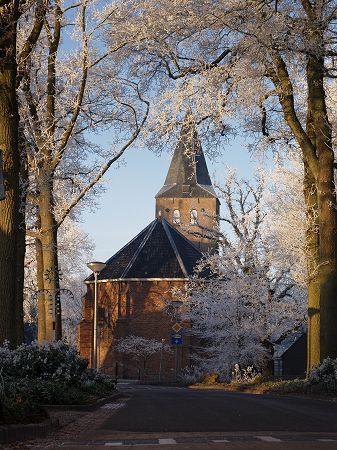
[(176, 304), (161, 358), (96, 267)]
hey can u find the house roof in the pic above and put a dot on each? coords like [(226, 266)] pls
[(188, 174), (281, 347), (158, 251)]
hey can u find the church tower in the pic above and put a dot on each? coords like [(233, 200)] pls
[(187, 200)]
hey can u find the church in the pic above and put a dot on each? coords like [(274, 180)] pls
[(135, 287)]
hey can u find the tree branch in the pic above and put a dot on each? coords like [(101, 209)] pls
[(68, 132), (105, 168), (40, 12), (284, 90), (197, 69)]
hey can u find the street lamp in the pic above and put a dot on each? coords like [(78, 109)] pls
[(161, 358), (96, 267)]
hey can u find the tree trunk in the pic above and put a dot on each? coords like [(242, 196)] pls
[(48, 232), (312, 249), (41, 327), (58, 306), (11, 257), (21, 243), (327, 254), (326, 202)]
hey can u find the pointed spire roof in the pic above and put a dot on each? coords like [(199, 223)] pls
[(188, 174), (159, 251)]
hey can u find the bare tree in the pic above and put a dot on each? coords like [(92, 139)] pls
[(141, 349)]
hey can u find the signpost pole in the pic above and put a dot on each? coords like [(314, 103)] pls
[(161, 359), (176, 339), (176, 363)]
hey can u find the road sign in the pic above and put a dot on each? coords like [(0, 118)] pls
[(176, 339), (176, 327), (2, 181)]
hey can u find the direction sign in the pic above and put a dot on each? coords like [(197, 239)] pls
[(176, 327), (176, 339)]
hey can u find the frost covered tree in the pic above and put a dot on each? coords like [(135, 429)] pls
[(285, 222), (245, 302), (267, 66), (141, 349), (69, 94), (12, 238), (74, 250)]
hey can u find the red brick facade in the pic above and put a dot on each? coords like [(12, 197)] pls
[(206, 208), (132, 307)]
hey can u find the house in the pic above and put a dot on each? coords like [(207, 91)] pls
[(135, 288), (290, 356)]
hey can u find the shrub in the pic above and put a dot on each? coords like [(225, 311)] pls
[(17, 406), (245, 375), (53, 373), (190, 375), (324, 376), (55, 361), (209, 378)]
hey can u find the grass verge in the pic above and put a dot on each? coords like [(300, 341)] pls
[(296, 386)]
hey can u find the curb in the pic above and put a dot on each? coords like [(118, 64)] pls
[(88, 407), (309, 396), (21, 432), (14, 433)]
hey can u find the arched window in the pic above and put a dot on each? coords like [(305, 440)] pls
[(176, 216), (194, 217)]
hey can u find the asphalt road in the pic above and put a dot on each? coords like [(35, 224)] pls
[(171, 418), (163, 409)]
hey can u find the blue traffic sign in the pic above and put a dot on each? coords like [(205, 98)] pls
[(176, 339)]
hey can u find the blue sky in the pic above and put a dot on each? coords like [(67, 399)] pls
[(128, 204)]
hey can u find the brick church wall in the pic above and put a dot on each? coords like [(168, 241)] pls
[(131, 307), (206, 207)]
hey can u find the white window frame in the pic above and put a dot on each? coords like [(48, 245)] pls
[(176, 216), (194, 217)]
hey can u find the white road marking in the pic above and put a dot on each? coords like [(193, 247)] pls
[(113, 444), (113, 405), (220, 440), (326, 440), (268, 439), (167, 441)]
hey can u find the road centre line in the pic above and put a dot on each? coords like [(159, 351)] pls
[(167, 441), (268, 439), (113, 406)]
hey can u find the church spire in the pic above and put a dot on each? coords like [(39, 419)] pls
[(187, 200), (188, 174)]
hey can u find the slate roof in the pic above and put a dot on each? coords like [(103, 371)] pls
[(158, 251), (280, 348), (188, 174)]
